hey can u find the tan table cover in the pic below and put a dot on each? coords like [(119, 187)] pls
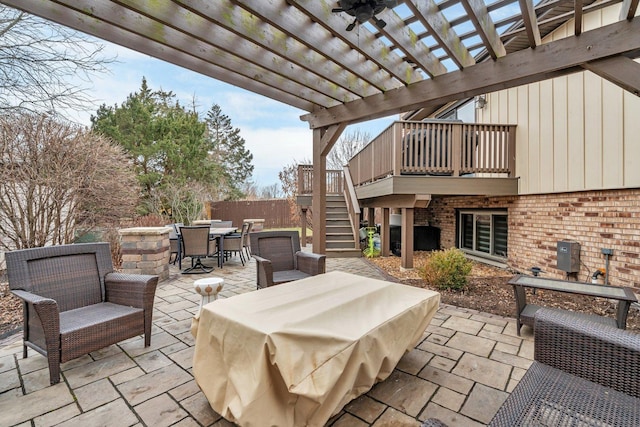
[(296, 353)]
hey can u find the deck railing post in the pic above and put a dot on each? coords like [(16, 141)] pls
[(398, 132), (456, 155)]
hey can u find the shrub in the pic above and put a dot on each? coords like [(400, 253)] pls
[(447, 269)]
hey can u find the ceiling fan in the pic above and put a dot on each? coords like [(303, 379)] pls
[(364, 10)]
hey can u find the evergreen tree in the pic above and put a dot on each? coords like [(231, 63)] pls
[(166, 141), (227, 150)]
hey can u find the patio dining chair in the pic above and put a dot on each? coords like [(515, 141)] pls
[(174, 244), (234, 243), (247, 239), (196, 245)]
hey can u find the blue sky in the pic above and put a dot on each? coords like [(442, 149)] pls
[(273, 131)]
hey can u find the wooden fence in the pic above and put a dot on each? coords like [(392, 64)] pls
[(275, 212)]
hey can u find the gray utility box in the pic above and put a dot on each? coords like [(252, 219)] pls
[(569, 256)]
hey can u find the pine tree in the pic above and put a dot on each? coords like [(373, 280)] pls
[(165, 141), (227, 150)]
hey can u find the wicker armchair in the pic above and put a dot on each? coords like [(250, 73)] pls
[(74, 303), (585, 373), (280, 260)]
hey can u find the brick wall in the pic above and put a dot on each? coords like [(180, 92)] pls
[(595, 219)]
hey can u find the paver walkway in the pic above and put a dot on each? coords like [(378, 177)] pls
[(460, 372)]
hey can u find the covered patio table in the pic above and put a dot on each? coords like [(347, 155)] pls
[(296, 353)]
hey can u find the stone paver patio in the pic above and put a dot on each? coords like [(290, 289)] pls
[(461, 371)]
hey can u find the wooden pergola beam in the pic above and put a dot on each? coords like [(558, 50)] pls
[(198, 15), (619, 70), (560, 57), (530, 22), (297, 25), (438, 25), (477, 11), (577, 17), (406, 40), (196, 29), (80, 21), (628, 9), (362, 39)]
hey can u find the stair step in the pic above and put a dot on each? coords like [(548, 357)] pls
[(343, 226), (340, 230), (340, 244), (338, 216), (343, 253), (339, 237), (339, 234)]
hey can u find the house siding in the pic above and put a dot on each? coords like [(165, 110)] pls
[(574, 133), (594, 219)]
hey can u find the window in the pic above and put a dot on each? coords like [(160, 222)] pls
[(483, 233)]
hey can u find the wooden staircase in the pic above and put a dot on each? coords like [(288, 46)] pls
[(341, 243)]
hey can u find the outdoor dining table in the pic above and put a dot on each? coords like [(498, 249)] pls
[(296, 353)]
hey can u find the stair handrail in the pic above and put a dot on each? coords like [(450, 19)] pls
[(353, 208)]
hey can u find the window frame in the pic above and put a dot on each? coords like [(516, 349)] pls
[(481, 212)]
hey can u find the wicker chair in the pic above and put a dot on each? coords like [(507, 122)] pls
[(280, 260), (74, 303), (585, 373)]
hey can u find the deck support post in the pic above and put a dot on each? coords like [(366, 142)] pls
[(385, 232), (406, 238)]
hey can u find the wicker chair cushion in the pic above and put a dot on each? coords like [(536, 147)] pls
[(86, 329), (288, 276)]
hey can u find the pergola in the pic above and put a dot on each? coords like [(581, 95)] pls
[(300, 52)]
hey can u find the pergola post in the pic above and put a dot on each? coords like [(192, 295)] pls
[(319, 201), (323, 141)]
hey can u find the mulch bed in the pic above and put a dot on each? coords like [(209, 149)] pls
[(489, 292), (10, 312)]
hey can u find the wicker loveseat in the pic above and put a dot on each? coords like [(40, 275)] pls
[(585, 373), (74, 303), (280, 260)]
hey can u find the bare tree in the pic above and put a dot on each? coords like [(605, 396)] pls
[(57, 178), (186, 202), (44, 65), (272, 191), (346, 147)]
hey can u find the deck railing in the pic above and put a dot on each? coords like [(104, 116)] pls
[(436, 148), (335, 180)]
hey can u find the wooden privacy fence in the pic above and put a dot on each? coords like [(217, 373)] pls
[(276, 212)]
